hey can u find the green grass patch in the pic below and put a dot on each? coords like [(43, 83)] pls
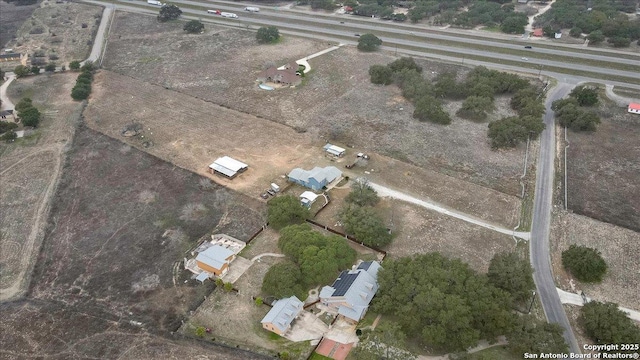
[(368, 320), (316, 356)]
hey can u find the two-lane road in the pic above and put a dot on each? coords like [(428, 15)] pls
[(543, 203)]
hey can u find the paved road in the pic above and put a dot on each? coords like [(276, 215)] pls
[(543, 202), (576, 299), (6, 102), (387, 192), (620, 100), (98, 42)]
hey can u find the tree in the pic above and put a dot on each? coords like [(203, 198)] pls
[(571, 116), (365, 225), (619, 41), (169, 12), (404, 63), (380, 74), (507, 132), (259, 301), (475, 108), (7, 126), (585, 95), (595, 37), (604, 323), (369, 42), (575, 32), (30, 117), (21, 71), (193, 27), (9, 136), (74, 65), (286, 210), (322, 4), (228, 287), (80, 92), (200, 331), (513, 25), (268, 35), (507, 271), (385, 342), (51, 67), (428, 108), (362, 194), (88, 66), (585, 263), (533, 336), (35, 69), (23, 104)]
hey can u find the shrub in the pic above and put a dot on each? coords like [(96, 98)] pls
[(585, 263)]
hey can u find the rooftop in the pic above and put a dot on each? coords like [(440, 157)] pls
[(283, 312), (215, 256)]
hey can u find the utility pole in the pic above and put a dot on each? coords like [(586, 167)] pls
[(396, 54), (532, 300), (540, 70)]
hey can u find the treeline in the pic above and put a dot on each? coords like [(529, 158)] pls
[(82, 88), (605, 20), (478, 90), (575, 112)]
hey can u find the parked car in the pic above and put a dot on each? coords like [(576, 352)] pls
[(358, 35), (264, 195), (271, 192)]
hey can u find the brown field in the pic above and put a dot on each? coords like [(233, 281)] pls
[(56, 30), (603, 169), (619, 247), (336, 100), (29, 173), (11, 18), (104, 253)]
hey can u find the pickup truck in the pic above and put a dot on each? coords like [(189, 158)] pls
[(155, 2), (229, 15), (217, 12), (252, 9)]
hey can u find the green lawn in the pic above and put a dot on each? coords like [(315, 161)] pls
[(316, 356)]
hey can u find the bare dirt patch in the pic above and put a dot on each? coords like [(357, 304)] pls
[(58, 32), (603, 169), (29, 173), (336, 100), (619, 247)]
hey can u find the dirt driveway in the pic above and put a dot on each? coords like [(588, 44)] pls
[(307, 327)]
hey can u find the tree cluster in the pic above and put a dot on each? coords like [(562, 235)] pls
[(29, 115), (285, 210), (369, 42), (22, 71), (312, 259), (360, 219), (585, 263), (604, 323), (571, 112), (362, 194), (507, 271), (193, 27), (268, 35), (533, 336), (445, 304), (82, 89), (169, 12), (7, 132), (604, 20)]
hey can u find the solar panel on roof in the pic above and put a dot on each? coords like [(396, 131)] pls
[(365, 265), (343, 284)]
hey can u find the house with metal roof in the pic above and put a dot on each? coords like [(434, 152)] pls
[(634, 108), (334, 150), (316, 178), (307, 198), (282, 314), (227, 167), (215, 260), (352, 291)]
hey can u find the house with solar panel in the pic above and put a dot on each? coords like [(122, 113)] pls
[(316, 178), (227, 167), (282, 314), (352, 291)]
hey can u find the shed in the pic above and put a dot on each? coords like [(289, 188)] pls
[(538, 32), (215, 259), (282, 314), (228, 167), (334, 150), (307, 198), (10, 57), (634, 108)]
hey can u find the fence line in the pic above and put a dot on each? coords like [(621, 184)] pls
[(348, 237)]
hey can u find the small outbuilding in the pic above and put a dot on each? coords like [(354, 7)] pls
[(334, 150), (538, 32), (307, 198), (282, 314), (10, 57), (634, 108), (316, 178), (215, 260), (227, 167)]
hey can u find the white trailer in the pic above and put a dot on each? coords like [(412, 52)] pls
[(252, 9), (229, 15), (154, 2), (275, 187)]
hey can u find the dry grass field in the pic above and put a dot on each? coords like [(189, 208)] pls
[(619, 247), (603, 169), (11, 18), (58, 32), (29, 173), (105, 266), (336, 100)]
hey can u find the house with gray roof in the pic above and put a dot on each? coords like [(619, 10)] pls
[(282, 314), (215, 260), (316, 178), (352, 291)]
